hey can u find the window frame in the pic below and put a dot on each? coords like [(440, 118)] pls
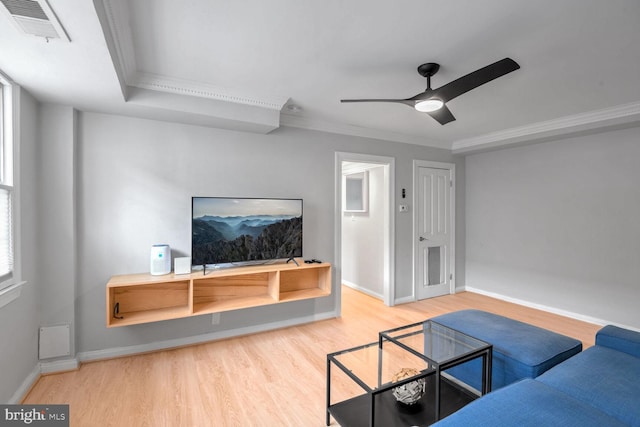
[(10, 285)]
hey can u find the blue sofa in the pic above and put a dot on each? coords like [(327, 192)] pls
[(597, 387), (520, 350)]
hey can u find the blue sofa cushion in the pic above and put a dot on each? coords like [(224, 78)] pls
[(619, 339), (520, 350), (603, 378), (527, 403)]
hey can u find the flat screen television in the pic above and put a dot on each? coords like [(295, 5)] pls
[(244, 230)]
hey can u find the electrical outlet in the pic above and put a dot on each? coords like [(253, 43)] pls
[(215, 319)]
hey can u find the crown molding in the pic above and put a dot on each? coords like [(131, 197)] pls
[(185, 87), (556, 128), (174, 107), (344, 129), (118, 37)]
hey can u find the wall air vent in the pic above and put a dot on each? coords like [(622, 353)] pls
[(34, 17)]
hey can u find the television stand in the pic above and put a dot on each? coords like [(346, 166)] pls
[(143, 298)]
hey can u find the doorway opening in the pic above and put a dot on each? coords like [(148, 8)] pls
[(364, 225)]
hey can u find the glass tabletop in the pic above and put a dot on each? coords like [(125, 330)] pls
[(378, 368), (438, 343)]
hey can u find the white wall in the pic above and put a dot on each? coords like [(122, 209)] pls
[(57, 226), (19, 319), (135, 179), (558, 224), (363, 240)]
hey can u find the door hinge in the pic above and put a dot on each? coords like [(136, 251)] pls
[(450, 183), (451, 277)]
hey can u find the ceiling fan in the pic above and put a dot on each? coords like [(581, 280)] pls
[(433, 101)]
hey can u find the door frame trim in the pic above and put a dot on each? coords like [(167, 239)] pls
[(389, 288), (451, 167)]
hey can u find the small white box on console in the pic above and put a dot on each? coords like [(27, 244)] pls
[(182, 265)]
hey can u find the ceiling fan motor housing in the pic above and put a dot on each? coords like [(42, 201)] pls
[(429, 69)]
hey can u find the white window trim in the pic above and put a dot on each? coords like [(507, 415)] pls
[(11, 288), (11, 293)]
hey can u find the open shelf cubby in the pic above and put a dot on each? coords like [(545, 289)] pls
[(224, 293), (304, 283), (142, 298)]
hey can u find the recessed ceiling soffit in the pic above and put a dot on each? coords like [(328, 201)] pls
[(114, 17)]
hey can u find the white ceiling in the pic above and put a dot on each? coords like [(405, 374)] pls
[(241, 64)]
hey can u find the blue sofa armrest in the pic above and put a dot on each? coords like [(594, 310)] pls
[(619, 339)]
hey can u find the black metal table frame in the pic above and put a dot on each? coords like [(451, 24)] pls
[(380, 389), (486, 352)]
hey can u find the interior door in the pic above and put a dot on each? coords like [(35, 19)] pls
[(433, 232)]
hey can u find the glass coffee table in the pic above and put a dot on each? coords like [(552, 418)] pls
[(443, 348), (370, 379)]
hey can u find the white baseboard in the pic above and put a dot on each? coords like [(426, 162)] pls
[(362, 289), (404, 300), (109, 353), (26, 385), (39, 369), (411, 298), (549, 309), (59, 366)]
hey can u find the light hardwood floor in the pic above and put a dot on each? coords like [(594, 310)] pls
[(274, 378)]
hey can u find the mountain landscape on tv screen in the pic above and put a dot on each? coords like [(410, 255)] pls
[(219, 240)]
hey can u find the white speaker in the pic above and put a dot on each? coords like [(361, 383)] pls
[(160, 260)]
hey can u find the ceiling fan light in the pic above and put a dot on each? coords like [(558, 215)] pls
[(429, 105)]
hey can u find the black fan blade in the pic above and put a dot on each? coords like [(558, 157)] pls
[(397, 101), (477, 78), (411, 102), (442, 115)]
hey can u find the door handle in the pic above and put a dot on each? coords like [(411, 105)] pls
[(422, 239)]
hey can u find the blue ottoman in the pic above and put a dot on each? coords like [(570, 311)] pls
[(520, 350)]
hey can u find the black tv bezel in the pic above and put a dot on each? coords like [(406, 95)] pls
[(250, 262)]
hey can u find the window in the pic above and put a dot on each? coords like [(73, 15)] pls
[(6, 234), (355, 192), (9, 286)]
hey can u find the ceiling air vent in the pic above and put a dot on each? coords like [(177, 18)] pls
[(34, 17)]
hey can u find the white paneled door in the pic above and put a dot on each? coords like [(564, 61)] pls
[(434, 235)]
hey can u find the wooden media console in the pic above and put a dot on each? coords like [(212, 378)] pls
[(143, 298)]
